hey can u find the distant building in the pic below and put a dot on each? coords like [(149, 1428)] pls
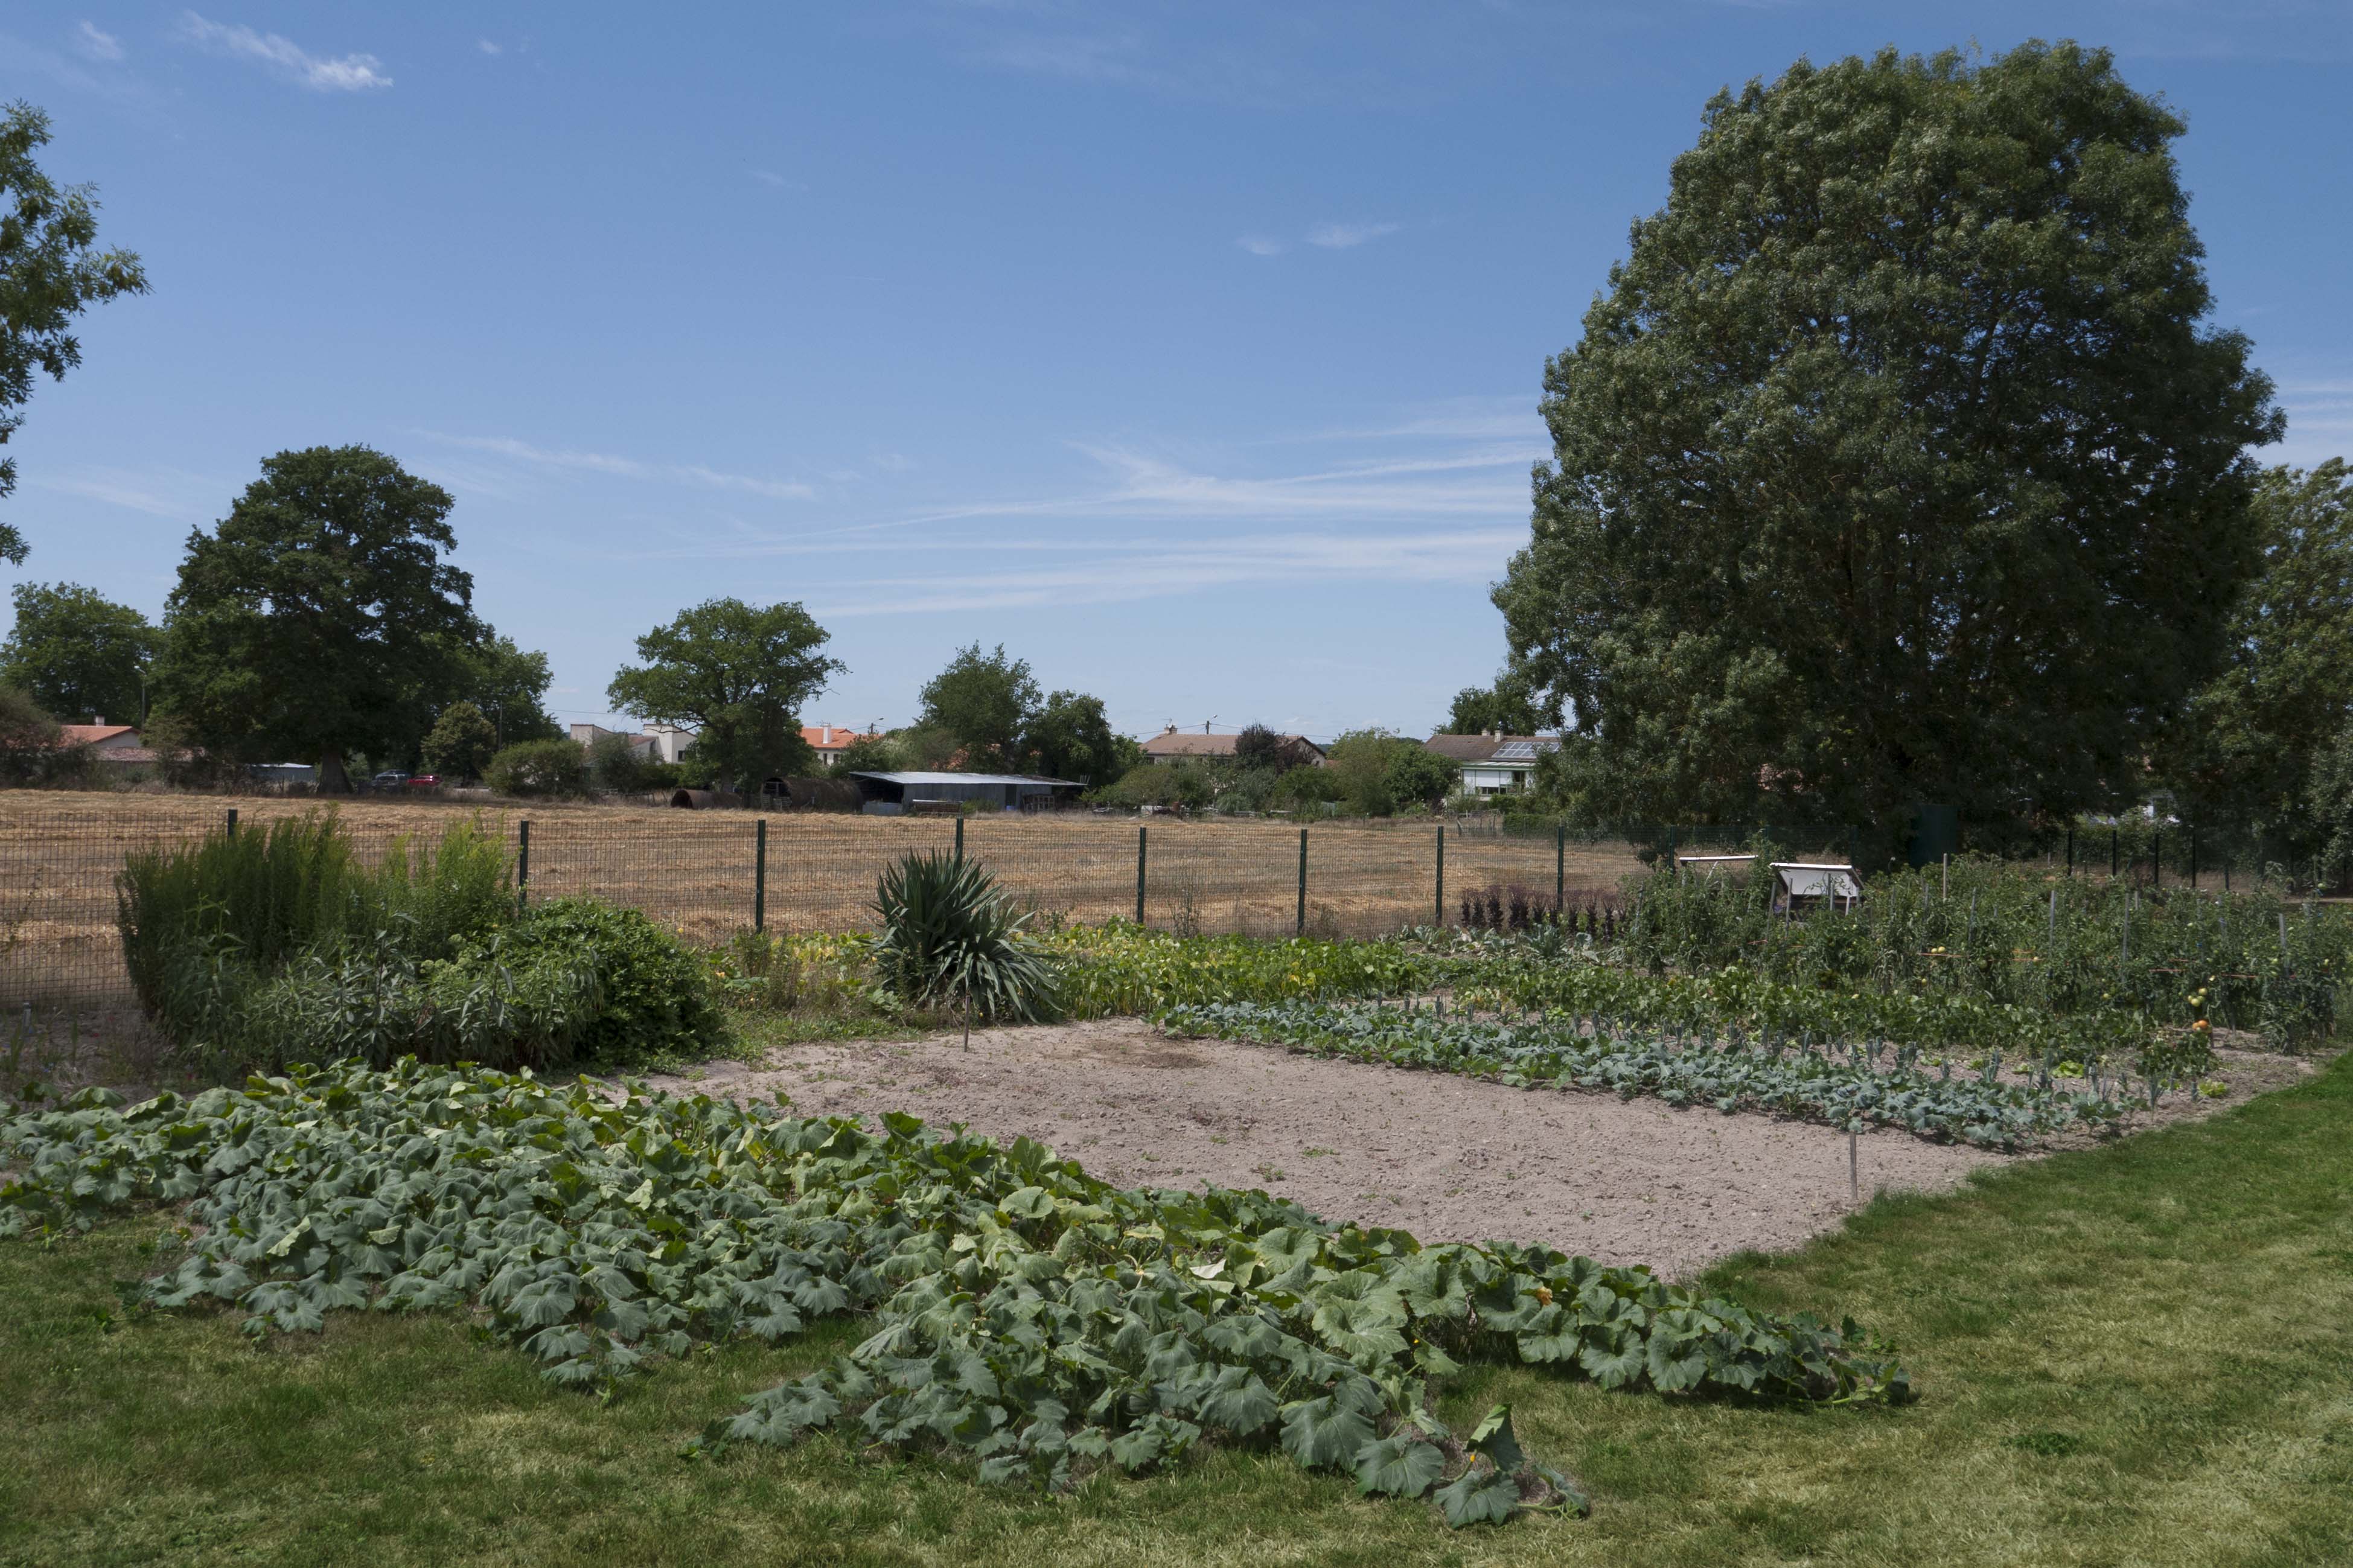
[(654, 744), (1174, 745), (1493, 764), (829, 741), (888, 794)]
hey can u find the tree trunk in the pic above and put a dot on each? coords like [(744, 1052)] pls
[(332, 780)]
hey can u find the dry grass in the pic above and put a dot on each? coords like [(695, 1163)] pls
[(59, 854)]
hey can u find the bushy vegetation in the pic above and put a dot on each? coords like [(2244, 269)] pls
[(539, 768), (251, 951), (2019, 936), (1026, 1316), (1119, 968)]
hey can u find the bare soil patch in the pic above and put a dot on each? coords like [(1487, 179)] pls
[(1448, 1158)]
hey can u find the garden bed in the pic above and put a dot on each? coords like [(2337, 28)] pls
[(1448, 1158)]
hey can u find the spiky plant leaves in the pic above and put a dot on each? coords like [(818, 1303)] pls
[(950, 937)]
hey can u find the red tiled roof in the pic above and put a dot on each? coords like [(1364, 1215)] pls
[(96, 735), (815, 735)]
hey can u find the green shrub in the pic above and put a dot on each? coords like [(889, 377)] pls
[(655, 1000), (1160, 784), (950, 936), (539, 768)]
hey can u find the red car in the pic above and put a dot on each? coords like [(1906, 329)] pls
[(425, 781)]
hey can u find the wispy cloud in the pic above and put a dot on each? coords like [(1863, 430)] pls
[(98, 44), (618, 466), (1347, 236), (489, 46), (320, 73), (169, 493), (775, 180), (1259, 245)]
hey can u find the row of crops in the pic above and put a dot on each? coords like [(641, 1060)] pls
[(1843, 1082), (2020, 935), (1039, 1322)]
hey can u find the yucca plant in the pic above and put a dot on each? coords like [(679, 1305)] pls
[(951, 936)]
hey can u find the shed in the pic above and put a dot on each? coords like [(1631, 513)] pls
[(1801, 886), (888, 794)]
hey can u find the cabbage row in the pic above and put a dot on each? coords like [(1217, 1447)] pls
[(1845, 1085), (1036, 1320)]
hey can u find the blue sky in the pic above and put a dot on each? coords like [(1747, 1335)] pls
[(1191, 352)]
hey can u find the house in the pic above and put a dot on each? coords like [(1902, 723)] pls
[(111, 743), (1493, 764), (654, 744), (1174, 745), (888, 795), (829, 741)]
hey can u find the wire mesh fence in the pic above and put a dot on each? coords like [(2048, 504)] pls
[(709, 875)]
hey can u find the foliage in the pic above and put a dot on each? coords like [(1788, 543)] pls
[(739, 675), (807, 974), (1503, 709), (50, 272), (654, 996), (1122, 969), (2329, 801), (988, 702), (317, 619), (1896, 463), (2036, 942), (461, 743), (76, 653), (1376, 773), (1420, 776), (539, 768), (949, 934), (509, 683), (1160, 784), (1039, 1322), (1068, 737), (616, 764), (1306, 786), (1838, 1078), (1260, 748), (2255, 736), (871, 754), (32, 745)]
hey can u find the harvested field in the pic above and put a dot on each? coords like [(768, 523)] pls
[(59, 854), (1450, 1159)]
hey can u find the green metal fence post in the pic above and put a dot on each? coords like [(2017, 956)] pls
[(2157, 859), (760, 875), (1440, 904), (1302, 923), (959, 850), (1559, 868), (523, 862), (232, 822), (2113, 835), (2071, 849), (1139, 839), (2193, 857)]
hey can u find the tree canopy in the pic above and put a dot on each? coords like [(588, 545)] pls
[(986, 702), (319, 618), (76, 653), (739, 674), (1503, 709), (1069, 737), (1898, 462), (2255, 733), (461, 742), (51, 271)]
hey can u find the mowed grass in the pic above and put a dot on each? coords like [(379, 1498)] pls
[(2141, 1354)]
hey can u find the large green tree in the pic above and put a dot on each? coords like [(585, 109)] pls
[(1505, 708), (986, 700), (508, 683), (2245, 754), (50, 272), (1069, 737), (1898, 462), (78, 654), (319, 618), (738, 673)]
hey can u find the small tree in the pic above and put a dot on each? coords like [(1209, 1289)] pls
[(29, 739), (986, 702), (1503, 709), (78, 654), (615, 765), (739, 674), (871, 754), (539, 768), (461, 744), (1069, 738), (1417, 775)]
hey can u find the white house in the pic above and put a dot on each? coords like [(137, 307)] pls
[(1493, 764)]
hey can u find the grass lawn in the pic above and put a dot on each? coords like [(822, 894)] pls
[(2141, 1354)]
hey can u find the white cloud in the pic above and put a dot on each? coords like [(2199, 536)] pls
[(1259, 245), (488, 48), (320, 73), (96, 44), (1345, 235), (626, 468), (775, 180)]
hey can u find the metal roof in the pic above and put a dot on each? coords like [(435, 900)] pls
[(968, 779), (1522, 751)]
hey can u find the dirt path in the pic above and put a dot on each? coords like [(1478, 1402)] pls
[(1447, 1158)]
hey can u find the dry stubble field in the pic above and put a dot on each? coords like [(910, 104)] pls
[(59, 854)]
